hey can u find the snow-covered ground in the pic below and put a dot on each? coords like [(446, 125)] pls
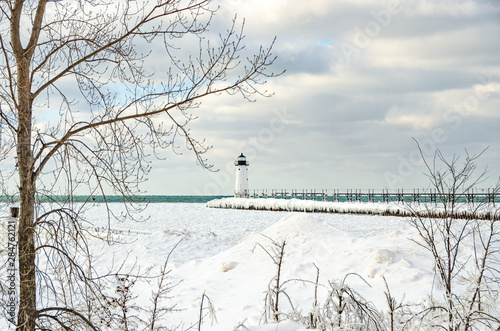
[(224, 255)]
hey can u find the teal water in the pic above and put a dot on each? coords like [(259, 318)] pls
[(393, 197), (119, 199)]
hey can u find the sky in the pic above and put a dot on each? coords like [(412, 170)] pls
[(365, 80)]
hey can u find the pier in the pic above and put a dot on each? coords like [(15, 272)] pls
[(476, 196)]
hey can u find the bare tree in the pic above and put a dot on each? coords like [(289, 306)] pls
[(465, 251), (93, 59)]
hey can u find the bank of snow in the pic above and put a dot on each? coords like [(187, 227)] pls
[(237, 279), (224, 254)]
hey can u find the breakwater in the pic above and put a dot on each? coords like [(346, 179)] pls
[(461, 211)]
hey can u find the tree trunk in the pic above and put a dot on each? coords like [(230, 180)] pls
[(26, 243), (27, 297)]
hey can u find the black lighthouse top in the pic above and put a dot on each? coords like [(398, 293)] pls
[(242, 160)]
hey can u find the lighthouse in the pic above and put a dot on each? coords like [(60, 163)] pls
[(241, 183)]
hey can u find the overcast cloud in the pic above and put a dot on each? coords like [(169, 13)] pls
[(362, 79)]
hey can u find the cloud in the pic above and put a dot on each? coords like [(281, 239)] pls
[(429, 71)]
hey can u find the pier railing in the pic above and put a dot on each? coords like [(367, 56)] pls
[(489, 195)]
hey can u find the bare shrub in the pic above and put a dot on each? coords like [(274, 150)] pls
[(272, 298), (345, 309), (465, 251)]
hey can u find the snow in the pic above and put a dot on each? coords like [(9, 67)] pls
[(227, 255)]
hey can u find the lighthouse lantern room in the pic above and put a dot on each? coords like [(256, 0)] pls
[(241, 183)]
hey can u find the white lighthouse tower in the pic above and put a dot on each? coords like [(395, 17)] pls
[(241, 183)]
